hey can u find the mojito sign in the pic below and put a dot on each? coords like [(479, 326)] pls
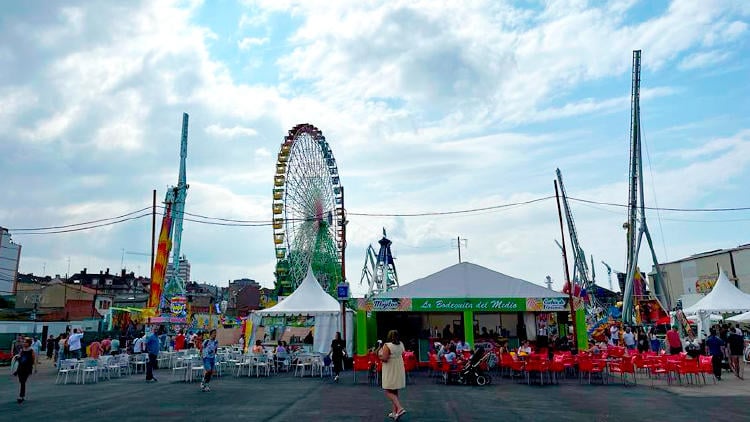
[(473, 304)]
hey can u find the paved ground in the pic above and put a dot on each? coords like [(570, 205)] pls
[(285, 398)]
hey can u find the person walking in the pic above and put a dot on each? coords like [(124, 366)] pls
[(629, 339), (338, 350), (673, 341), (716, 350), (643, 343), (51, 346), (210, 345), (394, 374), (736, 343), (36, 345), (26, 359), (655, 343), (152, 348), (62, 344)]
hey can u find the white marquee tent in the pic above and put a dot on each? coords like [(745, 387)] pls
[(744, 318), (309, 299), (724, 297)]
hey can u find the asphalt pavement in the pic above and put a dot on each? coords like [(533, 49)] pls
[(286, 398)]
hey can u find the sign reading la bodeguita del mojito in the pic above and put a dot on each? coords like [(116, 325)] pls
[(513, 304)]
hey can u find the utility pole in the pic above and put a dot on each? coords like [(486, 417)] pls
[(153, 235), (458, 244)]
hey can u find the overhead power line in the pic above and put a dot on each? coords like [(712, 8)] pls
[(228, 222)]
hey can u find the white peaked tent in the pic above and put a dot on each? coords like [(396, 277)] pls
[(744, 318), (309, 299), (724, 297)]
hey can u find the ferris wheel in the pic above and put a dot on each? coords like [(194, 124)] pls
[(308, 211)]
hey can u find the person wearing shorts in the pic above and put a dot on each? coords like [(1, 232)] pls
[(209, 359)]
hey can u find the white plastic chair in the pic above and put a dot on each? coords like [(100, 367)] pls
[(140, 361), (103, 367), (67, 367), (240, 365), (123, 361), (303, 362), (260, 363), (196, 368), (180, 365), (90, 367)]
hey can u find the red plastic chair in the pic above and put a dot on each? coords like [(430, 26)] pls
[(659, 366), (706, 367), (360, 363), (449, 372), (537, 365), (587, 366), (513, 365), (624, 367), (689, 368), (432, 364)]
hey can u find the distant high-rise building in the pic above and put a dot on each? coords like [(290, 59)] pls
[(10, 256), (183, 270)]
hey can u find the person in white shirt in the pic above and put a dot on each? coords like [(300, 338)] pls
[(614, 335), (629, 339), (138, 345), (460, 346), (74, 343)]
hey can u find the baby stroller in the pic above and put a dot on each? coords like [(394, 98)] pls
[(474, 373)]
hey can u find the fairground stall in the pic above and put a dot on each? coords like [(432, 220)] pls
[(308, 318), (467, 302)]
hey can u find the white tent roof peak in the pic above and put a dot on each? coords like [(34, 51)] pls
[(470, 280), (308, 299), (724, 297)]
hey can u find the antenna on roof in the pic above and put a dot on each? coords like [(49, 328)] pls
[(458, 245)]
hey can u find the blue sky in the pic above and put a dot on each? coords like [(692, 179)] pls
[(428, 106)]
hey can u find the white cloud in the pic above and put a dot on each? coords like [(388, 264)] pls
[(248, 42), (427, 106), (703, 59), (230, 132)]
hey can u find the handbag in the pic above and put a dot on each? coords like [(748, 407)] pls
[(14, 366)]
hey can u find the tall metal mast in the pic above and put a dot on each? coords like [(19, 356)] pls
[(176, 196), (581, 273), (636, 204)]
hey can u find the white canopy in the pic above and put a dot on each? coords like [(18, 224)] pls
[(724, 297), (741, 318), (308, 299), (470, 280)]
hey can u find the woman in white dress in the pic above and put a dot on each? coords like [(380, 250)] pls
[(394, 375)]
